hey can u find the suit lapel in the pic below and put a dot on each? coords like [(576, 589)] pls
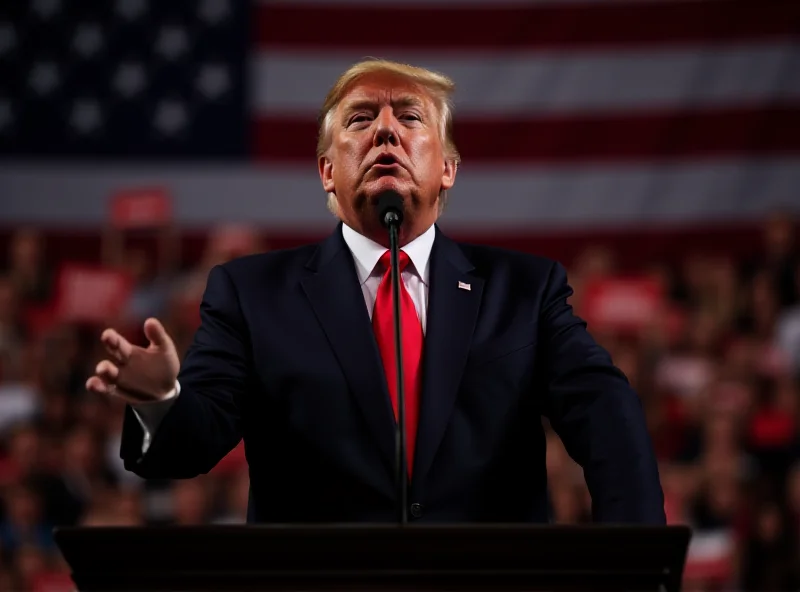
[(337, 300), (453, 303)]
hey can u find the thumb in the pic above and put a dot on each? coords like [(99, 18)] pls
[(155, 333)]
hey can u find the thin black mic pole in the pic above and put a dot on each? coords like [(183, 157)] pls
[(390, 212), (400, 438)]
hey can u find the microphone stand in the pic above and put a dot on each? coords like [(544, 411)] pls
[(393, 222)]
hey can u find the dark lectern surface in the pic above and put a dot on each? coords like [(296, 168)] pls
[(376, 557)]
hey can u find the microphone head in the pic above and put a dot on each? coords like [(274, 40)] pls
[(390, 208)]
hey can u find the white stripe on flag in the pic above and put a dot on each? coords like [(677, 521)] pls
[(520, 198)]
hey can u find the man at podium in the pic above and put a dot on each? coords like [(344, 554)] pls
[(295, 352)]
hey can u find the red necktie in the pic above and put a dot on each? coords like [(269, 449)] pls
[(383, 325)]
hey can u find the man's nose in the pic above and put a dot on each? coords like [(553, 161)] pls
[(386, 129)]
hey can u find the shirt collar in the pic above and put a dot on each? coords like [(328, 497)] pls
[(367, 252)]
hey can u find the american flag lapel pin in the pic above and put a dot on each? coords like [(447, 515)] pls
[(464, 286)]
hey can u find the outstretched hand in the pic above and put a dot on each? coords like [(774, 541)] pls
[(137, 374)]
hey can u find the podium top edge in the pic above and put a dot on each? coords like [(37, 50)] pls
[(673, 529)]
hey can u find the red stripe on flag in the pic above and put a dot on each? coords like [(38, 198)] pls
[(628, 137), (374, 28)]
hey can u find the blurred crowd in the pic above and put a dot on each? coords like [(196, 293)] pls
[(716, 370)]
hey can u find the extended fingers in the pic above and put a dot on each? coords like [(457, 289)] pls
[(107, 370), (98, 385), (116, 345)]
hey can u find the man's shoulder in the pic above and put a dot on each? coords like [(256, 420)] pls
[(489, 258), (280, 263)]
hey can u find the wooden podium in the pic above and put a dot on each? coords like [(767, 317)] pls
[(376, 557)]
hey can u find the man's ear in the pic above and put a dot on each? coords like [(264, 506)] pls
[(449, 173), (326, 173)]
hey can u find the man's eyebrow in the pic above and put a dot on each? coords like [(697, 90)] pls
[(359, 105)]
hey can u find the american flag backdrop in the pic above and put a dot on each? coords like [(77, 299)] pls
[(568, 112)]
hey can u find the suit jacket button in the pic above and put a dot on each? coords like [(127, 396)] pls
[(416, 510)]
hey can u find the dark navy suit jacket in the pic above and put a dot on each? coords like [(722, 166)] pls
[(285, 358)]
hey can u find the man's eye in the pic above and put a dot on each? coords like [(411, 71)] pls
[(358, 119), (410, 116)]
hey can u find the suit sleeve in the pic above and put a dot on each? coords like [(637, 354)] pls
[(203, 423), (597, 414)]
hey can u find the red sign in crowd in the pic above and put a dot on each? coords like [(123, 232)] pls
[(90, 294), (625, 304), (141, 207)]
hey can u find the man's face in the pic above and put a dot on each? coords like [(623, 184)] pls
[(385, 137)]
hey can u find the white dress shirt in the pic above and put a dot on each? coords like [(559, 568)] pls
[(366, 255)]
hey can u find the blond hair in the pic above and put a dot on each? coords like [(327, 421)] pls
[(438, 86)]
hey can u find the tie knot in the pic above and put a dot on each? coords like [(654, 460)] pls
[(386, 260)]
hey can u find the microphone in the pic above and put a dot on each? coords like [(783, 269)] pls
[(390, 209), (390, 212)]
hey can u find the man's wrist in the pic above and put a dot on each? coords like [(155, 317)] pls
[(176, 390)]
